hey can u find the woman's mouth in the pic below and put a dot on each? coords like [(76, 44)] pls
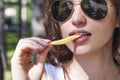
[(85, 36)]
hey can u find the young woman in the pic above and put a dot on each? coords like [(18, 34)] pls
[(93, 56)]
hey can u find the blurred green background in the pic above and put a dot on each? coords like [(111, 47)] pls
[(18, 16), (11, 32)]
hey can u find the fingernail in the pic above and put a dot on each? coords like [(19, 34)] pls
[(46, 40)]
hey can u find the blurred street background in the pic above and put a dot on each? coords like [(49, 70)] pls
[(18, 19)]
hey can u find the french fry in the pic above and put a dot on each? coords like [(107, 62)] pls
[(65, 40)]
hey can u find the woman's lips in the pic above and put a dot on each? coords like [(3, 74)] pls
[(85, 36)]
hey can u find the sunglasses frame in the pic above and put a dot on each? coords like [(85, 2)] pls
[(67, 17), (75, 3)]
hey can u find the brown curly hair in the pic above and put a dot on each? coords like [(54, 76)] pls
[(61, 54)]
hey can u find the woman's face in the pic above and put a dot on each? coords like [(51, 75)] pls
[(97, 34)]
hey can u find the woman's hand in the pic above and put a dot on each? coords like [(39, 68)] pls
[(22, 66)]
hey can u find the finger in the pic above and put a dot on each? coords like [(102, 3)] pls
[(36, 39), (41, 57), (42, 42), (25, 49), (26, 43)]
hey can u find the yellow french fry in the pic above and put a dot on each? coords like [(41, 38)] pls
[(65, 40)]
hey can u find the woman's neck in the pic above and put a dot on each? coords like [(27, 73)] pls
[(97, 66)]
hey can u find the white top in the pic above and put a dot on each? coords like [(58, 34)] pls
[(53, 72)]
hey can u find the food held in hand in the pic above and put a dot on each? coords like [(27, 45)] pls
[(66, 40)]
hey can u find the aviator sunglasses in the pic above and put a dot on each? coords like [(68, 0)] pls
[(62, 10)]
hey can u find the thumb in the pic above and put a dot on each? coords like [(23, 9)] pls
[(41, 57)]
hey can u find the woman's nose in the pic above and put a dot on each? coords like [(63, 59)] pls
[(78, 17)]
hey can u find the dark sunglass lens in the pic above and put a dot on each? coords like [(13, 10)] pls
[(96, 9), (61, 10)]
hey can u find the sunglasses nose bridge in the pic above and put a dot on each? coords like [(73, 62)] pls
[(77, 8), (76, 3), (78, 17)]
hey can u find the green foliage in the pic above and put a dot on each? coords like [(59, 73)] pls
[(28, 1), (11, 41), (11, 38), (11, 0), (7, 75)]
